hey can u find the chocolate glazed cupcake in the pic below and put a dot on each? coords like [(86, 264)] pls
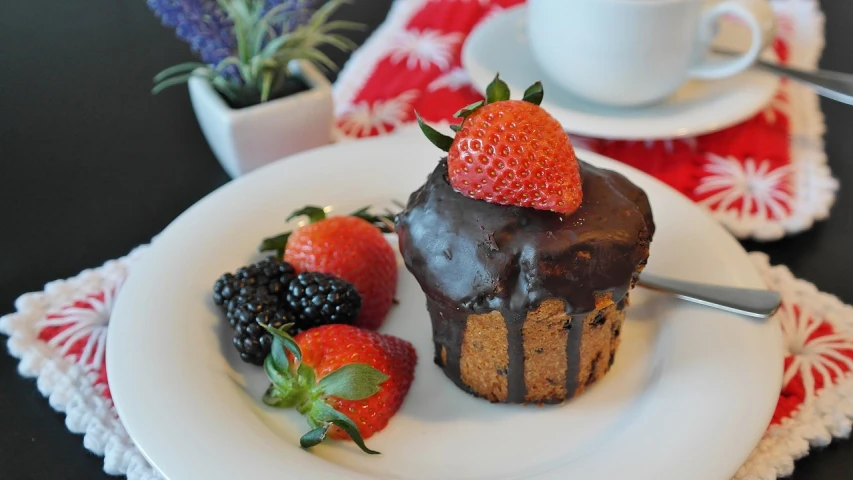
[(526, 305)]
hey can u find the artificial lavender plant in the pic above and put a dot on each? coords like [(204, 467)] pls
[(248, 46)]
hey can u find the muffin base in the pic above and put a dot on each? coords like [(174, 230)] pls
[(552, 356)]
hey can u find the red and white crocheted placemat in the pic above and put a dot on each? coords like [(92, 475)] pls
[(762, 178), (59, 336)]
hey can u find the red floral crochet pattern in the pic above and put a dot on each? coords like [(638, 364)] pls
[(762, 178)]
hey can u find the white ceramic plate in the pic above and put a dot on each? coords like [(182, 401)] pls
[(499, 44), (689, 396)]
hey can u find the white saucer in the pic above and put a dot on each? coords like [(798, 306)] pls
[(499, 44), (689, 396)]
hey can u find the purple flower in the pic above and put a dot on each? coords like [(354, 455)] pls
[(206, 27)]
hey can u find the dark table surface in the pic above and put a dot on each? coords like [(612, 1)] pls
[(93, 165)]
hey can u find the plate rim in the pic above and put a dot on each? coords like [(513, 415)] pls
[(118, 387)]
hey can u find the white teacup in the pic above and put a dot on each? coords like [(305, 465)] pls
[(637, 52)]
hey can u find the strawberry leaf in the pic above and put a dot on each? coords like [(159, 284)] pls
[(277, 375), (385, 223), (534, 94), (278, 360), (274, 397), (314, 213), (305, 374), (351, 430), (314, 437), (276, 244), (497, 91), (355, 381), (455, 128), (437, 138), (464, 112), (321, 413), (284, 340)]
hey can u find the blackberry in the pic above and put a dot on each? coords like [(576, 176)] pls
[(253, 294), (271, 276), (249, 303), (319, 299), (250, 339)]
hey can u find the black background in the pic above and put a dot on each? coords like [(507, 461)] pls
[(93, 165)]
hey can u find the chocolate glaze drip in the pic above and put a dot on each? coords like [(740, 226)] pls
[(471, 256), (573, 353)]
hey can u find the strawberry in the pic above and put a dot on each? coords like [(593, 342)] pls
[(511, 152), (351, 248), (347, 381)]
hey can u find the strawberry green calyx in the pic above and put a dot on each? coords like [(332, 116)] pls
[(294, 385), (534, 94), (277, 243), (314, 214), (496, 91)]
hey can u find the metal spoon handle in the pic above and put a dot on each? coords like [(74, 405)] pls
[(835, 85), (753, 303)]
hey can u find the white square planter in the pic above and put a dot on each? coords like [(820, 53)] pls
[(247, 138)]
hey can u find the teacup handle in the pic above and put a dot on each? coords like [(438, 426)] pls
[(758, 16)]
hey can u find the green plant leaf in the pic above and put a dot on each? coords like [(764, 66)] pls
[(274, 46), (320, 59), (171, 82), (314, 437), (339, 41), (355, 381), (437, 138), (175, 69), (230, 60), (497, 91), (340, 25), (464, 112), (266, 85), (314, 213), (455, 128), (275, 244), (322, 14), (275, 11), (534, 94)]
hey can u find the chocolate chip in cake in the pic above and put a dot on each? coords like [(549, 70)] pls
[(599, 319)]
